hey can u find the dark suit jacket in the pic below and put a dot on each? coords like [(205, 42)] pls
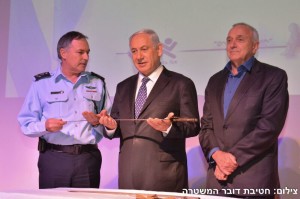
[(147, 159), (250, 130)]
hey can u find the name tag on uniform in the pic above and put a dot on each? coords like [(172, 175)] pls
[(57, 96), (56, 92)]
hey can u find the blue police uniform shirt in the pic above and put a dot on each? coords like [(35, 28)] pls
[(56, 97)]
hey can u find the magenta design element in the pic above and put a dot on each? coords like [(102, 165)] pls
[(294, 40), (290, 47), (169, 45)]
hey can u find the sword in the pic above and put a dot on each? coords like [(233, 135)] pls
[(172, 119)]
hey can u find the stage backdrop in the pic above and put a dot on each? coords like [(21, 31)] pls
[(193, 33)]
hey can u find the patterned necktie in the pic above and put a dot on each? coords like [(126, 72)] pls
[(141, 97)]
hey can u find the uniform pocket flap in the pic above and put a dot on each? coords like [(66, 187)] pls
[(57, 96), (92, 95)]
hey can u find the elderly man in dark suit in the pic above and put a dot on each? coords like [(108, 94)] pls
[(152, 151), (244, 112)]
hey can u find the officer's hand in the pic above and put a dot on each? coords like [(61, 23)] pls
[(91, 117), (54, 125)]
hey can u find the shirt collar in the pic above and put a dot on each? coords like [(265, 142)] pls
[(242, 68), (58, 75), (154, 75)]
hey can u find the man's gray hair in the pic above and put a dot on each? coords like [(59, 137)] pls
[(254, 31), (154, 37)]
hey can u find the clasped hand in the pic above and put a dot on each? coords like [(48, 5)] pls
[(226, 164)]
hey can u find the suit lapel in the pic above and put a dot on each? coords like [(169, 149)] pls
[(220, 91), (131, 93), (243, 88), (158, 87)]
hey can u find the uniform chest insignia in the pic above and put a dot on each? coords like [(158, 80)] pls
[(56, 92), (91, 87)]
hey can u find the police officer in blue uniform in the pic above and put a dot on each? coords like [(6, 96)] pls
[(60, 108)]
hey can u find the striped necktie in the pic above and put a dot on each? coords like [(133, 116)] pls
[(141, 97)]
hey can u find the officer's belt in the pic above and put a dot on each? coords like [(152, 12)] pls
[(75, 149)]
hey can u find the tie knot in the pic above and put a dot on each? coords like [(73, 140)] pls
[(145, 80)]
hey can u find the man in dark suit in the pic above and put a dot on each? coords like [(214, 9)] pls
[(152, 151), (244, 112)]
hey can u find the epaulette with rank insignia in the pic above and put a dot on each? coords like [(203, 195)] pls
[(99, 76), (42, 76)]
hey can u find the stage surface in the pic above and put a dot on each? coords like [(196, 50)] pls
[(66, 193)]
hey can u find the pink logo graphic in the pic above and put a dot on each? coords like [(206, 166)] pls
[(169, 45), (294, 40)]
